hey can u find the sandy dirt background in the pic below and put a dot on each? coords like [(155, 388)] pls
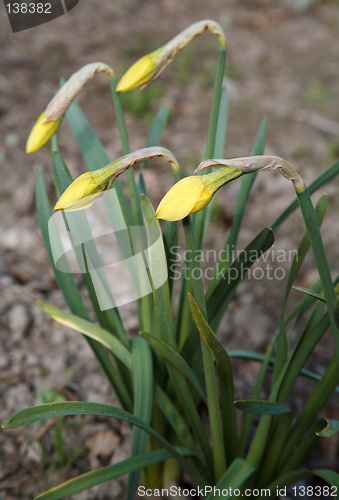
[(283, 62)]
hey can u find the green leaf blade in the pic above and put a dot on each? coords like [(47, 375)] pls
[(143, 402), (260, 407), (90, 330), (225, 373), (219, 296), (175, 359), (311, 293), (234, 477), (93, 478), (317, 183), (51, 410), (331, 427)]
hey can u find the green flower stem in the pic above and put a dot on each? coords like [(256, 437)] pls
[(199, 218), (208, 363), (132, 186), (212, 128), (317, 244), (145, 304), (164, 318), (200, 222)]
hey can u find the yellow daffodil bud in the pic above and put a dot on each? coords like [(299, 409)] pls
[(181, 199), (41, 133), (83, 192), (192, 194), (50, 120), (151, 65), (141, 72)]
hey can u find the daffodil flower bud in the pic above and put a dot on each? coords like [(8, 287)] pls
[(41, 133), (83, 192), (50, 120), (151, 65), (192, 194)]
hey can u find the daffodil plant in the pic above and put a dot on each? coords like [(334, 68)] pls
[(176, 366)]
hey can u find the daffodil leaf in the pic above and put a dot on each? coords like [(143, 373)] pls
[(303, 248), (236, 475), (336, 312), (220, 136), (309, 292), (331, 478), (221, 294), (257, 356), (170, 236), (90, 330), (51, 410), (258, 407), (218, 300), (71, 293), (143, 383), (99, 476), (331, 427), (317, 183), (175, 359), (80, 231), (175, 418), (158, 270), (65, 280), (318, 249), (224, 367), (312, 407), (163, 312)]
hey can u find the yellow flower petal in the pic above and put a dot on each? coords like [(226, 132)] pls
[(41, 133), (192, 194), (141, 72), (83, 192), (203, 201), (181, 199)]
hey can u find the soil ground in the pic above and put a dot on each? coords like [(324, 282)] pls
[(283, 64)]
